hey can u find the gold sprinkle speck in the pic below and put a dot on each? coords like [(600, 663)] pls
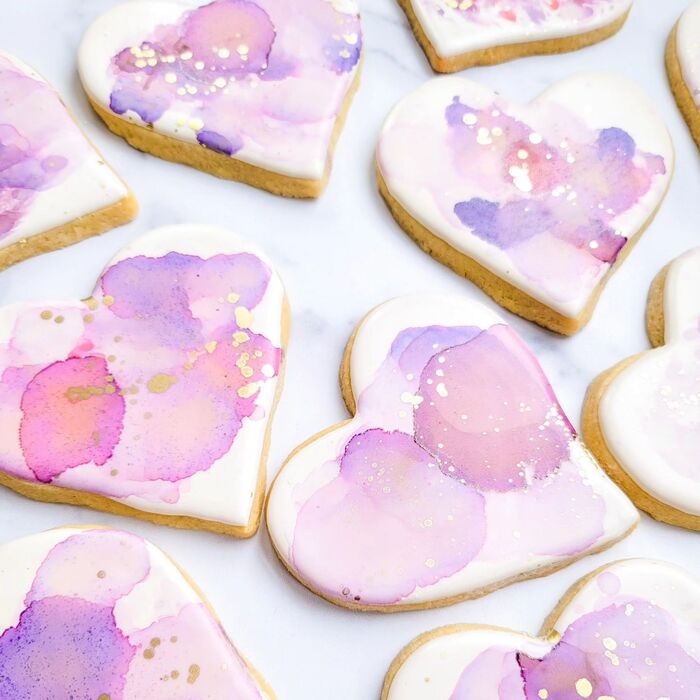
[(104, 696), (59, 319), (46, 315), (149, 654), (244, 318), (543, 694), (108, 300), (210, 346), (155, 642), (174, 675), (91, 303), (584, 688), (101, 574), (194, 674), (160, 383), (173, 639)]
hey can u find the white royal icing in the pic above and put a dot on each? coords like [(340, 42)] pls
[(650, 412), (385, 401), (220, 488), (455, 27), (511, 186), (56, 175)]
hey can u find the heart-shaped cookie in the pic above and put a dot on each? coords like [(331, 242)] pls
[(250, 90), (154, 397), (683, 67), (642, 417), (99, 614), (458, 474), (536, 204), (458, 34), (628, 631), (55, 188)]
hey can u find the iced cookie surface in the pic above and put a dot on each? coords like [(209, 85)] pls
[(457, 34), (628, 631), (458, 474), (154, 396), (93, 614), (55, 188), (253, 90), (534, 203)]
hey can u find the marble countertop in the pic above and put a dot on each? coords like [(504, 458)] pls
[(339, 257)]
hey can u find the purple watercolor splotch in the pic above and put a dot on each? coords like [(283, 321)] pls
[(149, 383), (458, 427), (75, 637), (263, 75), (39, 143)]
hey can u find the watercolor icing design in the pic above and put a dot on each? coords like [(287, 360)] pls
[(552, 202), (650, 411), (458, 452), (619, 638), (33, 143), (262, 80), (156, 380), (49, 172), (95, 614)]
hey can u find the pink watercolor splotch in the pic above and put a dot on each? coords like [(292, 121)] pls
[(77, 636), (458, 443), (40, 144), (629, 649), (266, 77), (145, 384)]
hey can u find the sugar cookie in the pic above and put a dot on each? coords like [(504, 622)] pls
[(642, 417), (683, 67), (93, 613), (458, 474), (536, 204), (628, 631), (249, 90), (458, 34), (55, 188), (154, 397)]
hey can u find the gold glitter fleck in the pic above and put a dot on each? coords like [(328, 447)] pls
[(233, 298), (543, 694), (193, 674), (160, 383), (148, 654), (108, 300), (46, 315), (244, 318), (104, 696), (584, 688), (101, 574), (245, 392), (610, 643), (88, 318), (240, 337), (114, 472), (174, 675), (211, 346), (155, 642), (59, 319)]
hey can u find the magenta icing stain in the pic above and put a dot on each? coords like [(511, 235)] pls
[(35, 133), (442, 483), (149, 382), (243, 75), (84, 633)]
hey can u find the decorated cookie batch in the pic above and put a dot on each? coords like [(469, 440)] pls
[(459, 472)]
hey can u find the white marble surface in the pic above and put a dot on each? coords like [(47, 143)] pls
[(339, 257)]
